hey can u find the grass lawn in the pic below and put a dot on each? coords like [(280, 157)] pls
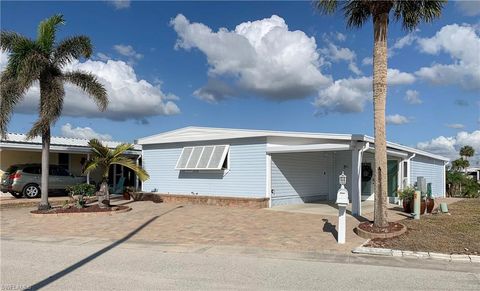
[(458, 233)]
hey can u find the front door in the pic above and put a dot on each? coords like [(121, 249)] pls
[(392, 173)]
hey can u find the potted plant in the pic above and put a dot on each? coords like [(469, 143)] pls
[(127, 193), (406, 195)]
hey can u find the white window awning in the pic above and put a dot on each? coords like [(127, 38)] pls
[(210, 157)]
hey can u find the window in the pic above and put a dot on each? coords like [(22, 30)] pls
[(211, 157), (63, 160), (32, 170)]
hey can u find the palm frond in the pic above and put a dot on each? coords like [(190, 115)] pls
[(325, 6), (91, 165), (98, 148), (9, 40), (89, 83), (120, 149), (139, 171), (411, 13), (72, 48), (11, 92), (47, 30), (357, 12), (51, 104)]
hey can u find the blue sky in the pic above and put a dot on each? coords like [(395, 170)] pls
[(166, 65)]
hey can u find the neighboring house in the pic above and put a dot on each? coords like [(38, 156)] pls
[(474, 173), (285, 167), (68, 152)]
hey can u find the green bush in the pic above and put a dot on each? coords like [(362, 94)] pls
[(407, 193), (81, 189)]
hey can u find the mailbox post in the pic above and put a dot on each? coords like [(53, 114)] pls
[(342, 202)]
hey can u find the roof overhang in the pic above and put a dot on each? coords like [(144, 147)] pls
[(326, 147), (53, 148)]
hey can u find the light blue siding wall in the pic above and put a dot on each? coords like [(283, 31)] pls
[(246, 177), (432, 170)]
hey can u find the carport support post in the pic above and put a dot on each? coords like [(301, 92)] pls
[(88, 174), (356, 181)]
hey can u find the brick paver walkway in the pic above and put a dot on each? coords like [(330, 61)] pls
[(190, 224)]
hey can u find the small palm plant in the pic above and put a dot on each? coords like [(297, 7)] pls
[(43, 60), (102, 158)]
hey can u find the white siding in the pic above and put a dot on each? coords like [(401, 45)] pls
[(432, 170), (301, 177), (246, 176)]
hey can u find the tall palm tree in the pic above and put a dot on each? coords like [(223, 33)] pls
[(467, 152), (42, 60), (357, 13), (102, 158)]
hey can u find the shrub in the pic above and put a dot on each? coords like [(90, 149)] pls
[(81, 189)]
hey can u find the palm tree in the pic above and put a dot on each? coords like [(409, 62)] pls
[(357, 13), (102, 158), (42, 60), (467, 152)]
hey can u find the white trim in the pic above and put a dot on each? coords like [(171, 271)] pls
[(268, 189), (357, 159), (53, 148), (272, 149), (409, 169)]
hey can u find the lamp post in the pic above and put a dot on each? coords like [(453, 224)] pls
[(342, 202)]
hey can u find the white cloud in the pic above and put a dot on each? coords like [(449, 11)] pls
[(413, 97), (120, 4), (395, 77), (103, 57), (340, 36), (128, 51), (351, 94), (367, 61), (450, 146), (82, 132), (469, 8), (262, 57), (335, 54), (130, 98), (344, 96), (462, 43), (397, 119), (455, 125), (404, 41)]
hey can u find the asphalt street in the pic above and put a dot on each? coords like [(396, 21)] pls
[(103, 265)]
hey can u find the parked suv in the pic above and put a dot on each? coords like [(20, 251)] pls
[(25, 180)]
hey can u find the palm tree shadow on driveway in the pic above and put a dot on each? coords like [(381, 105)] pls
[(95, 255)]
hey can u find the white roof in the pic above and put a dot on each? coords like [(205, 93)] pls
[(192, 134), (18, 139)]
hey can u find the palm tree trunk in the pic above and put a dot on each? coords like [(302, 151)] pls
[(44, 204), (103, 195), (380, 24)]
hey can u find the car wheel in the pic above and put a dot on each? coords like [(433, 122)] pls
[(17, 195), (31, 191)]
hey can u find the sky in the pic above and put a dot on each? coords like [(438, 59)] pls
[(259, 65)]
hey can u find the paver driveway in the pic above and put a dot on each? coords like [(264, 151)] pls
[(189, 225)]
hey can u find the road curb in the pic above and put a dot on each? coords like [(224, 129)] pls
[(417, 255)]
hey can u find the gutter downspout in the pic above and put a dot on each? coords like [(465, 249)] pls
[(357, 194), (409, 171), (136, 176)]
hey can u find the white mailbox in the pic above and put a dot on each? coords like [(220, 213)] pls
[(342, 202), (342, 196), (342, 193)]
